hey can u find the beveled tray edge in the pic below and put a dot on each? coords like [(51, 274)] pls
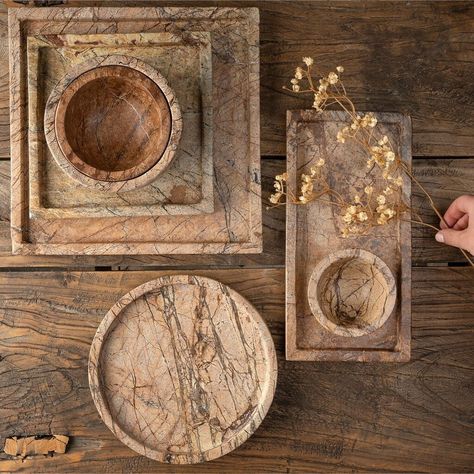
[(94, 382)]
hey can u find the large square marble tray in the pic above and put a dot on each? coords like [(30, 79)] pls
[(208, 201)]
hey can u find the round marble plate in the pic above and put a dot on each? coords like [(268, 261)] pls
[(182, 369)]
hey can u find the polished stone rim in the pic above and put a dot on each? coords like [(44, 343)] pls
[(143, 174)]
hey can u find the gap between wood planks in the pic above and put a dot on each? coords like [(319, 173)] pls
[(273, 255)]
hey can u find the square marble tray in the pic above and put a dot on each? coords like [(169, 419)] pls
[(311, 234), (220, 212), (186, 187)]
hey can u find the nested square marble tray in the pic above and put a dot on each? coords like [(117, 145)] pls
[(312, 235), (208, 200), (186, 187)]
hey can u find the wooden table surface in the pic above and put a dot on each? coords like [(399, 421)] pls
[(414, 57)]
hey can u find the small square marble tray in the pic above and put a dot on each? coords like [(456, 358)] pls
[(186, 187), (314, 243)]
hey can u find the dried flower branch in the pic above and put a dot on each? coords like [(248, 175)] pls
[(380, 200)]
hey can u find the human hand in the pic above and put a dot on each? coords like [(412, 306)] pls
[(459, 231)]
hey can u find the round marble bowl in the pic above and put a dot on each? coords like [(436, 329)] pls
[(351, 292), (113, 124)]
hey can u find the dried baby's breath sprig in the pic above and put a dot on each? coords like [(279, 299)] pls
[(380, 200)]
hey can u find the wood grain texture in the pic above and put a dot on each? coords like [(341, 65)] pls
[(414, 58), (444, 178), (410, 417)]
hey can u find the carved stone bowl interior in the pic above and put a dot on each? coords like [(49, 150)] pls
[(352, 292), (113, 123)]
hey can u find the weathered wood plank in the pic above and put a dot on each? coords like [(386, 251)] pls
[(414, 57), (326, 416), (445, 179)]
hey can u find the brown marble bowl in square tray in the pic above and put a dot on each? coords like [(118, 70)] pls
[(113, 123), (182, 369)]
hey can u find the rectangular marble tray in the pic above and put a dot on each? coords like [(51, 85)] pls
[(42, 199), (186, 187), (311, 235)]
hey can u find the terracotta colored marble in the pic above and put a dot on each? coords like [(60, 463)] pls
[(351, 292), (179, 212), (113, 123), (182, 369), (59, 192), (86, 136), (320, 322)]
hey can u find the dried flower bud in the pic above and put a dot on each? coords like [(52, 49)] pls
[(333, 78), (340, 137), (351, 210), (275, 198), (308, 61)]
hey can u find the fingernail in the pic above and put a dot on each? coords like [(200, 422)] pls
[(439, 237)]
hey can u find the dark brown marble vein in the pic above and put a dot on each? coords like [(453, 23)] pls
[(352, 292), (113, 123), (182, 369)]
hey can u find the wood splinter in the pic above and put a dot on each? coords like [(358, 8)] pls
[(36, 445)]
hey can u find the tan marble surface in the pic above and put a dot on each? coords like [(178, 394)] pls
[(351, 292), (182, 369), (234, 226), (312, 234), (185, 187)]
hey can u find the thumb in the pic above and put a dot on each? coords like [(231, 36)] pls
[(451, 237)]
